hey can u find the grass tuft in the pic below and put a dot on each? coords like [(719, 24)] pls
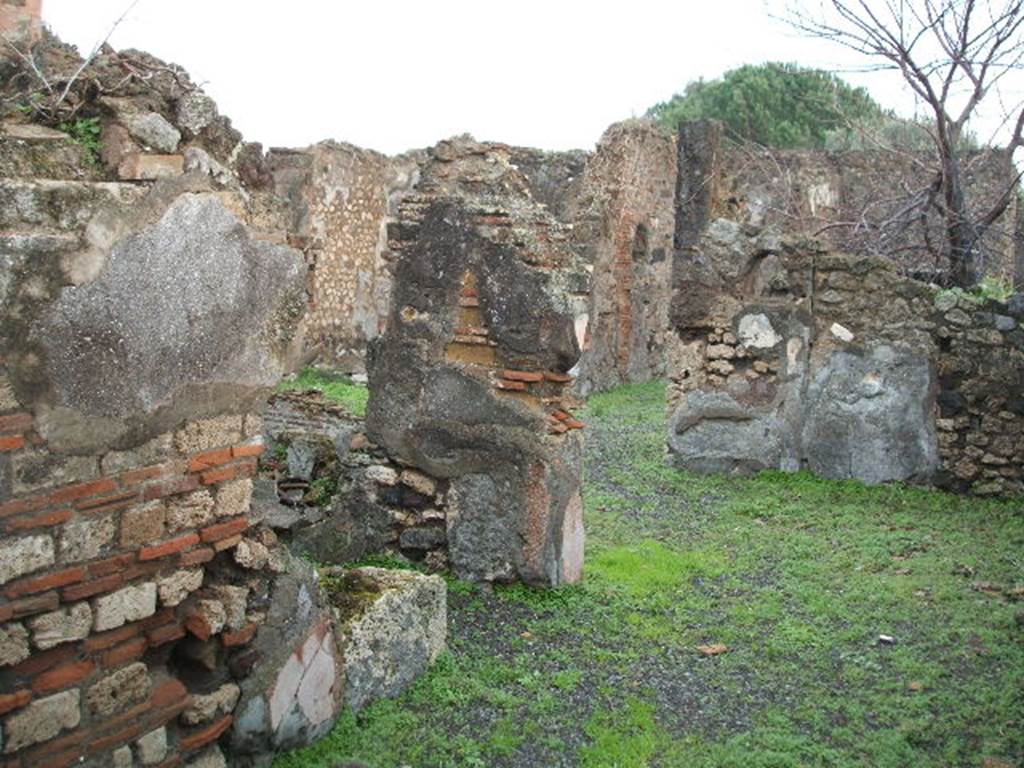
[(336, 387)]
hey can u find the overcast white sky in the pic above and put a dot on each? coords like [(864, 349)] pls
[(400, 74)]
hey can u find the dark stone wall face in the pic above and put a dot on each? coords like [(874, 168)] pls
[(468, 381)]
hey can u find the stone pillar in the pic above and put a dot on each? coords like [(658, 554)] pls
[(626, 227), (698, 165), (468, 382)]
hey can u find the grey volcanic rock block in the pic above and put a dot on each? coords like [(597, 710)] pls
[(869, 416), (188, 313), (391, 626), (714, 433)]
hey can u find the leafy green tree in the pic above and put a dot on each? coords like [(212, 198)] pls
[(775, 104)]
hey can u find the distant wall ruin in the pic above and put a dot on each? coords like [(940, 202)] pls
[(857, 201), (341, 198), (792, 357), (21, 19)]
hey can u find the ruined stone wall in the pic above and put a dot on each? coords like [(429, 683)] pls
[(624, 229), (148, 302), (850, 200), (554, 179), (21, 19), (468, 382), (980, 371), (340, 198), (790, 357)]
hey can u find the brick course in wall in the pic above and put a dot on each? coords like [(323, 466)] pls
[(90, 610)]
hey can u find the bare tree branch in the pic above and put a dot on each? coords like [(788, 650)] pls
[(945, 50)]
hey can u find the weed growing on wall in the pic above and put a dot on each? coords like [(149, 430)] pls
[(85, 133)]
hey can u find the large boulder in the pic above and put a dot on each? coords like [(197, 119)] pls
[(391, 626), (869, 416)]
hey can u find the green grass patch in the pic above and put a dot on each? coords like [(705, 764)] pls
[(650, 567), (336, 387), (796, 575)]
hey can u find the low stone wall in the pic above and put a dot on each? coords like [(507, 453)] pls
[(338, 498), (792, 357)]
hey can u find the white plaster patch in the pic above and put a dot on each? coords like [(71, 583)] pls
[(793, 348), (307, 679), (821, 196), (315, 694), (757, 331)]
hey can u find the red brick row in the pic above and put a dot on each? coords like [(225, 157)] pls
[(166, 702), (225, 463)]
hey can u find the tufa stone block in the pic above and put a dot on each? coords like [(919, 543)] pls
[(391, 626), (204, 434), (62, 626), (128, 604), (42, 720), (204, 708), (143, 525), (152, 748), (86, 539), (25, 555), (13, 644), (234, 498), (139, 167), (118, 691), (179, 585), (192, 510)]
